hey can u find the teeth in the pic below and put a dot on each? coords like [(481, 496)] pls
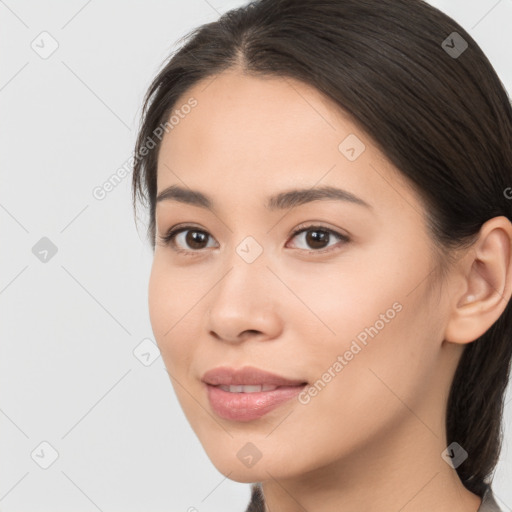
[(247, 389)]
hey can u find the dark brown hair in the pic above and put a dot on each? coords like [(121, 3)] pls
[(443, 119)]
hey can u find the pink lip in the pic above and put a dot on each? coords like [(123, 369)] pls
[(248, 406), (246, 376)]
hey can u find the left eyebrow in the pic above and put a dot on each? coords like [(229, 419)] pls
[(281, 201)]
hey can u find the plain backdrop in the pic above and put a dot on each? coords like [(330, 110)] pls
[(88, 417)]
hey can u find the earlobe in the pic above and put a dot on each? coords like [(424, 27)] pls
[(486, 271)]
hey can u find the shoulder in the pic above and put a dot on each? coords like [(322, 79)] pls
[(257, 503), (488, 501)]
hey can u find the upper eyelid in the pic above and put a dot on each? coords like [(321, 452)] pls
[(178, 229), (187, 227)]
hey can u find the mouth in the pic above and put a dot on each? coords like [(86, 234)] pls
[(253, 388), (245, 403), (248, 393)]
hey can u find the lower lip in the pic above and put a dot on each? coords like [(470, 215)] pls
[(249, 406)]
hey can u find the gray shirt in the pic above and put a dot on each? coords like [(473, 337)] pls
[(257, 504), (488, 502)]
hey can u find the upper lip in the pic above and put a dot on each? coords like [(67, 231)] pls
[(247, 375)]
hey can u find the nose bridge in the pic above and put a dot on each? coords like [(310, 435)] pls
[(246, 271), (242, 300), (250, 249)]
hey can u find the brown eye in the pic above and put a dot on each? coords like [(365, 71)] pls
[(194, 239), (190, 240), (318, 238), (186, 239)]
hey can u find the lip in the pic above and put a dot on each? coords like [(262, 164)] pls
[(248, 406), (224, 375)]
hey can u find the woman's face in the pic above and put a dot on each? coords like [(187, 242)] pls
[(353, 315)]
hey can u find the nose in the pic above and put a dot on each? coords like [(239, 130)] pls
[(245, 303)]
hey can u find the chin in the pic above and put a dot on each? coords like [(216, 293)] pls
[(240, 468), (246, 477)]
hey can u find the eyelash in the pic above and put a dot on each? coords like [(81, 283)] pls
[(168, 238)]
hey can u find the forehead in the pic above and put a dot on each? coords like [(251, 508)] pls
[(240, 118), (266, 133)]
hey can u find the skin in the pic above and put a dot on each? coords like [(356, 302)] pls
[(372, 438)]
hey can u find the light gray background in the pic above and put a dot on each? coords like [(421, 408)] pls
[(69, 326)]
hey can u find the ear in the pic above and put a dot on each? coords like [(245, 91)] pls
[(484, 283)]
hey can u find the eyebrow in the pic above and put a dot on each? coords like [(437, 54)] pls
[(281, 201)]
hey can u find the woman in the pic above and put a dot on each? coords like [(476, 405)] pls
[(329, 188)]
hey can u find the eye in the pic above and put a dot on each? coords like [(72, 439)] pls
[(195, 238), (185, 235), (317, 237)]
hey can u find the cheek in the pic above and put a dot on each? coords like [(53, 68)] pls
[(175, 333), (378, 318), (173, 308), (157, 300), (339, 302), (170, 295), (380, 362), (372, 391)]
